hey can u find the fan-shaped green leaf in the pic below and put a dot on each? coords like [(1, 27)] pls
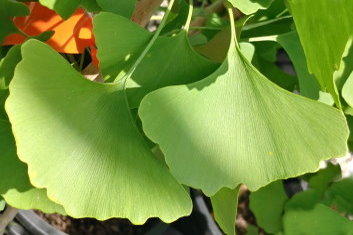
[(88, 152), (15, 187), (319, 220), (225, 205), (316, 21), (235, 126)]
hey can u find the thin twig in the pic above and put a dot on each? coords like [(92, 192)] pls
[(144, 11), (7, 217)]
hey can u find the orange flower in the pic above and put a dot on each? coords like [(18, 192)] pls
[(70, 36)]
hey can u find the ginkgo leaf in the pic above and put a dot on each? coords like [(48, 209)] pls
[(316, 21), (70, 36), (88, 153), (225, 205), (65, 8), (121, 7), (9, 9), (235, 126), (267, 204), (15, 187), (318, 220), (158, 69), (250, 6)]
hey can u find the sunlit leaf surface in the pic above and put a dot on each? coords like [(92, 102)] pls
[(235, 126), (15, 187), (88, 153)]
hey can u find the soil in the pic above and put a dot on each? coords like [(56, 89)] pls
[(245, 217), (91, 226)]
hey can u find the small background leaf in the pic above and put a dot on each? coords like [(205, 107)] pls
[(323, 58), (224, 204), (319, 220), (267, 204)]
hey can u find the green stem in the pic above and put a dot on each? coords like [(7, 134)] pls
[(232, 24), (272, 38), (266, 22), (150, 44), (188, 21), (204, 27)]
